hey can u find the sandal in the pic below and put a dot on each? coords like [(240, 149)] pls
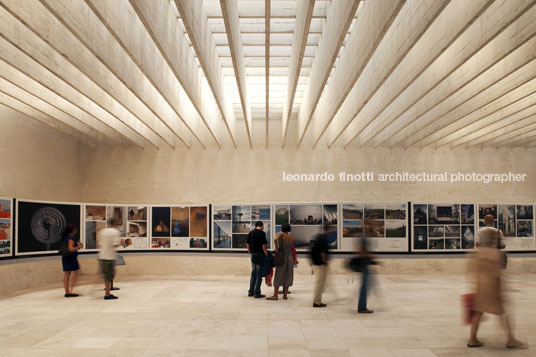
[(271, 298), (285, 297), (475, 344)]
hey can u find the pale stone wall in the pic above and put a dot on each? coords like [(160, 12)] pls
[(45, 272), (37, 163), (255, 175)]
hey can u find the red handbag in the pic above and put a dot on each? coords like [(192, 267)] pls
[(467, 308)]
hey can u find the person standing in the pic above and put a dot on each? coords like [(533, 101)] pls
[(109, 240), (256, 245), (284, 273), (71, 268), (486, 268), (366, 260), (319, 256)]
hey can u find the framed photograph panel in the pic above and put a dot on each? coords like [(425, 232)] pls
[(6, 227), (179, 227), (384, 224), (443, 227), (40, 225), (232, 223)]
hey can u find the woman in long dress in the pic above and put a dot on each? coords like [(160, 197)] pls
[(284, 273), (486, 268)]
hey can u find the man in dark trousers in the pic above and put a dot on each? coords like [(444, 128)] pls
[(319, 256), (256, 245), (366, 259)]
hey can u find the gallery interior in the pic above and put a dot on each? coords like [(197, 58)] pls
[(181, 123)]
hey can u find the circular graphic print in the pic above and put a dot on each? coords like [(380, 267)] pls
[(48, 224)]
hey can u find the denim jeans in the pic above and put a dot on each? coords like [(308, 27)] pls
[(362, 305), (256, 278)]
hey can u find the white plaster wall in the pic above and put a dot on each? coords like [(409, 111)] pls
[(36, 162), (255, 175)]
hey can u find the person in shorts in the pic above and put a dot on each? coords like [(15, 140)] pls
[(109, 240)]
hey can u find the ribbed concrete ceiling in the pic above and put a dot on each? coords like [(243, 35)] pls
[(193, 73)]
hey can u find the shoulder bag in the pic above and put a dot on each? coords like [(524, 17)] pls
[(279, 259)]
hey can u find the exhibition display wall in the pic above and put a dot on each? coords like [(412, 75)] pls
[(435, 227), (6, 223)]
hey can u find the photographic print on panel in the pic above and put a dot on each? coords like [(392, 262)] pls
[(443, 226), (395, 211), (420, 214), (241, 220), (95, 220), (376, 221), (180, 227), (351, 211), (524, 212), (40, 225), (281, 214), (137, 222), (306, 222), (515, 221), (198, 223), (306, 214), (525, 229), (352, 229), (444, 214), (222, 234), (116, 217), (506, 217), (5, 227), (468, 237), (180, 221), (161, 222), (260, 213), (239, 241), (485, 209), (232, 223)]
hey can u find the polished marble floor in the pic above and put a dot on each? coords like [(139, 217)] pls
[(212, 316)]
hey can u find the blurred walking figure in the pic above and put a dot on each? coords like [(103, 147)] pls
[(486, 269), (319, 256), (284, 273), (109, 240), (366, 259)]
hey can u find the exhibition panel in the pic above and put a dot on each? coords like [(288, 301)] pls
[(232, 223), (307, 220), (130, 220), (516, 221), (179, 227), (40, 225), (384, 224), (445, 227), (6, 245)]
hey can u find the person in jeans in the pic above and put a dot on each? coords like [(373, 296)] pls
[(367, 259), (109, 240), (256, 245), (319, 256)]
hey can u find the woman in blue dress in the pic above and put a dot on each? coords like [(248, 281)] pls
[(71, 268)]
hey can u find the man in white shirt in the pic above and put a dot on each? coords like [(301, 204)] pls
[(109, 240)]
